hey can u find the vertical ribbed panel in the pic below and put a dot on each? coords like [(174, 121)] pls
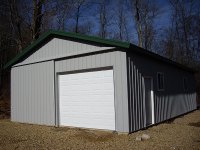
[(32, 93), (167, 107), (137, 118), (59, 48), (171, 102), (117, 60)]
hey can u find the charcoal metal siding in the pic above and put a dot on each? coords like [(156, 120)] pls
[(171, 102), (32, 93), (137, 117), (117, 60)]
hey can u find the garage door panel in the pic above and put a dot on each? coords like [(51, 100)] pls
[(86, 116), (84, 108), (81, 120), (95, 98), (96, 85), (88, 93), (87, 100)]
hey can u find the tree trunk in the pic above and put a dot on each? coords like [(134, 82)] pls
[(138, 23), (37, 18), (102, 19), (16, 24), (77, 19)]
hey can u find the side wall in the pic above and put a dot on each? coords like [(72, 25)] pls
[(171, 102), (118, 61), (32, 93)]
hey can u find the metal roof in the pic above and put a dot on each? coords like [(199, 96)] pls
[(90, 39)]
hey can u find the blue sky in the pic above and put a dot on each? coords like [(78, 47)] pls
[(90, 14)]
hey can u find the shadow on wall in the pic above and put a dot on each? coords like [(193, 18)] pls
[(198, 101), (5, 96), (169, 106), (168, 103), (171, 102), (198, 88)]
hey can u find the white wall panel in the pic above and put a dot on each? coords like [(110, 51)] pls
[(59, 48), (32, 93)]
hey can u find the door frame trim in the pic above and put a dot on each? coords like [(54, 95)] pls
[(152, 99)]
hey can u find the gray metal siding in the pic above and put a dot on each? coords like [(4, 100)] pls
[(118, 61), (32, 93), (58, 48), (137, 117), (171, 102)]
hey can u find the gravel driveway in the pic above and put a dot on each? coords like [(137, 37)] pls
[(181, 133)]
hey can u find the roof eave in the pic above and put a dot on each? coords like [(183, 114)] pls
[(161, 58)]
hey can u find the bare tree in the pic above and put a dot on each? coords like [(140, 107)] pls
[(184, 31), (3, 17), (7, 50), (145, 12), (16, 22), (138, 21), (78, 4), (166, 43), (86, 28), (103, 19), (121, 21), (36, 18), (51, 15), (150, 12), (63, 12), (25, 29)]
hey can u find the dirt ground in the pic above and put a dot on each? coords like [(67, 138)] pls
[(181, 133)]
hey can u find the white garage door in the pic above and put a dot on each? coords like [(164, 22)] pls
[(87, 100)]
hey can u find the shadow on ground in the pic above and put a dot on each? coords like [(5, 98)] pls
[(196, 124)]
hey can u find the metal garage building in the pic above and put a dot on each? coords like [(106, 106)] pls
[(67, 79)]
